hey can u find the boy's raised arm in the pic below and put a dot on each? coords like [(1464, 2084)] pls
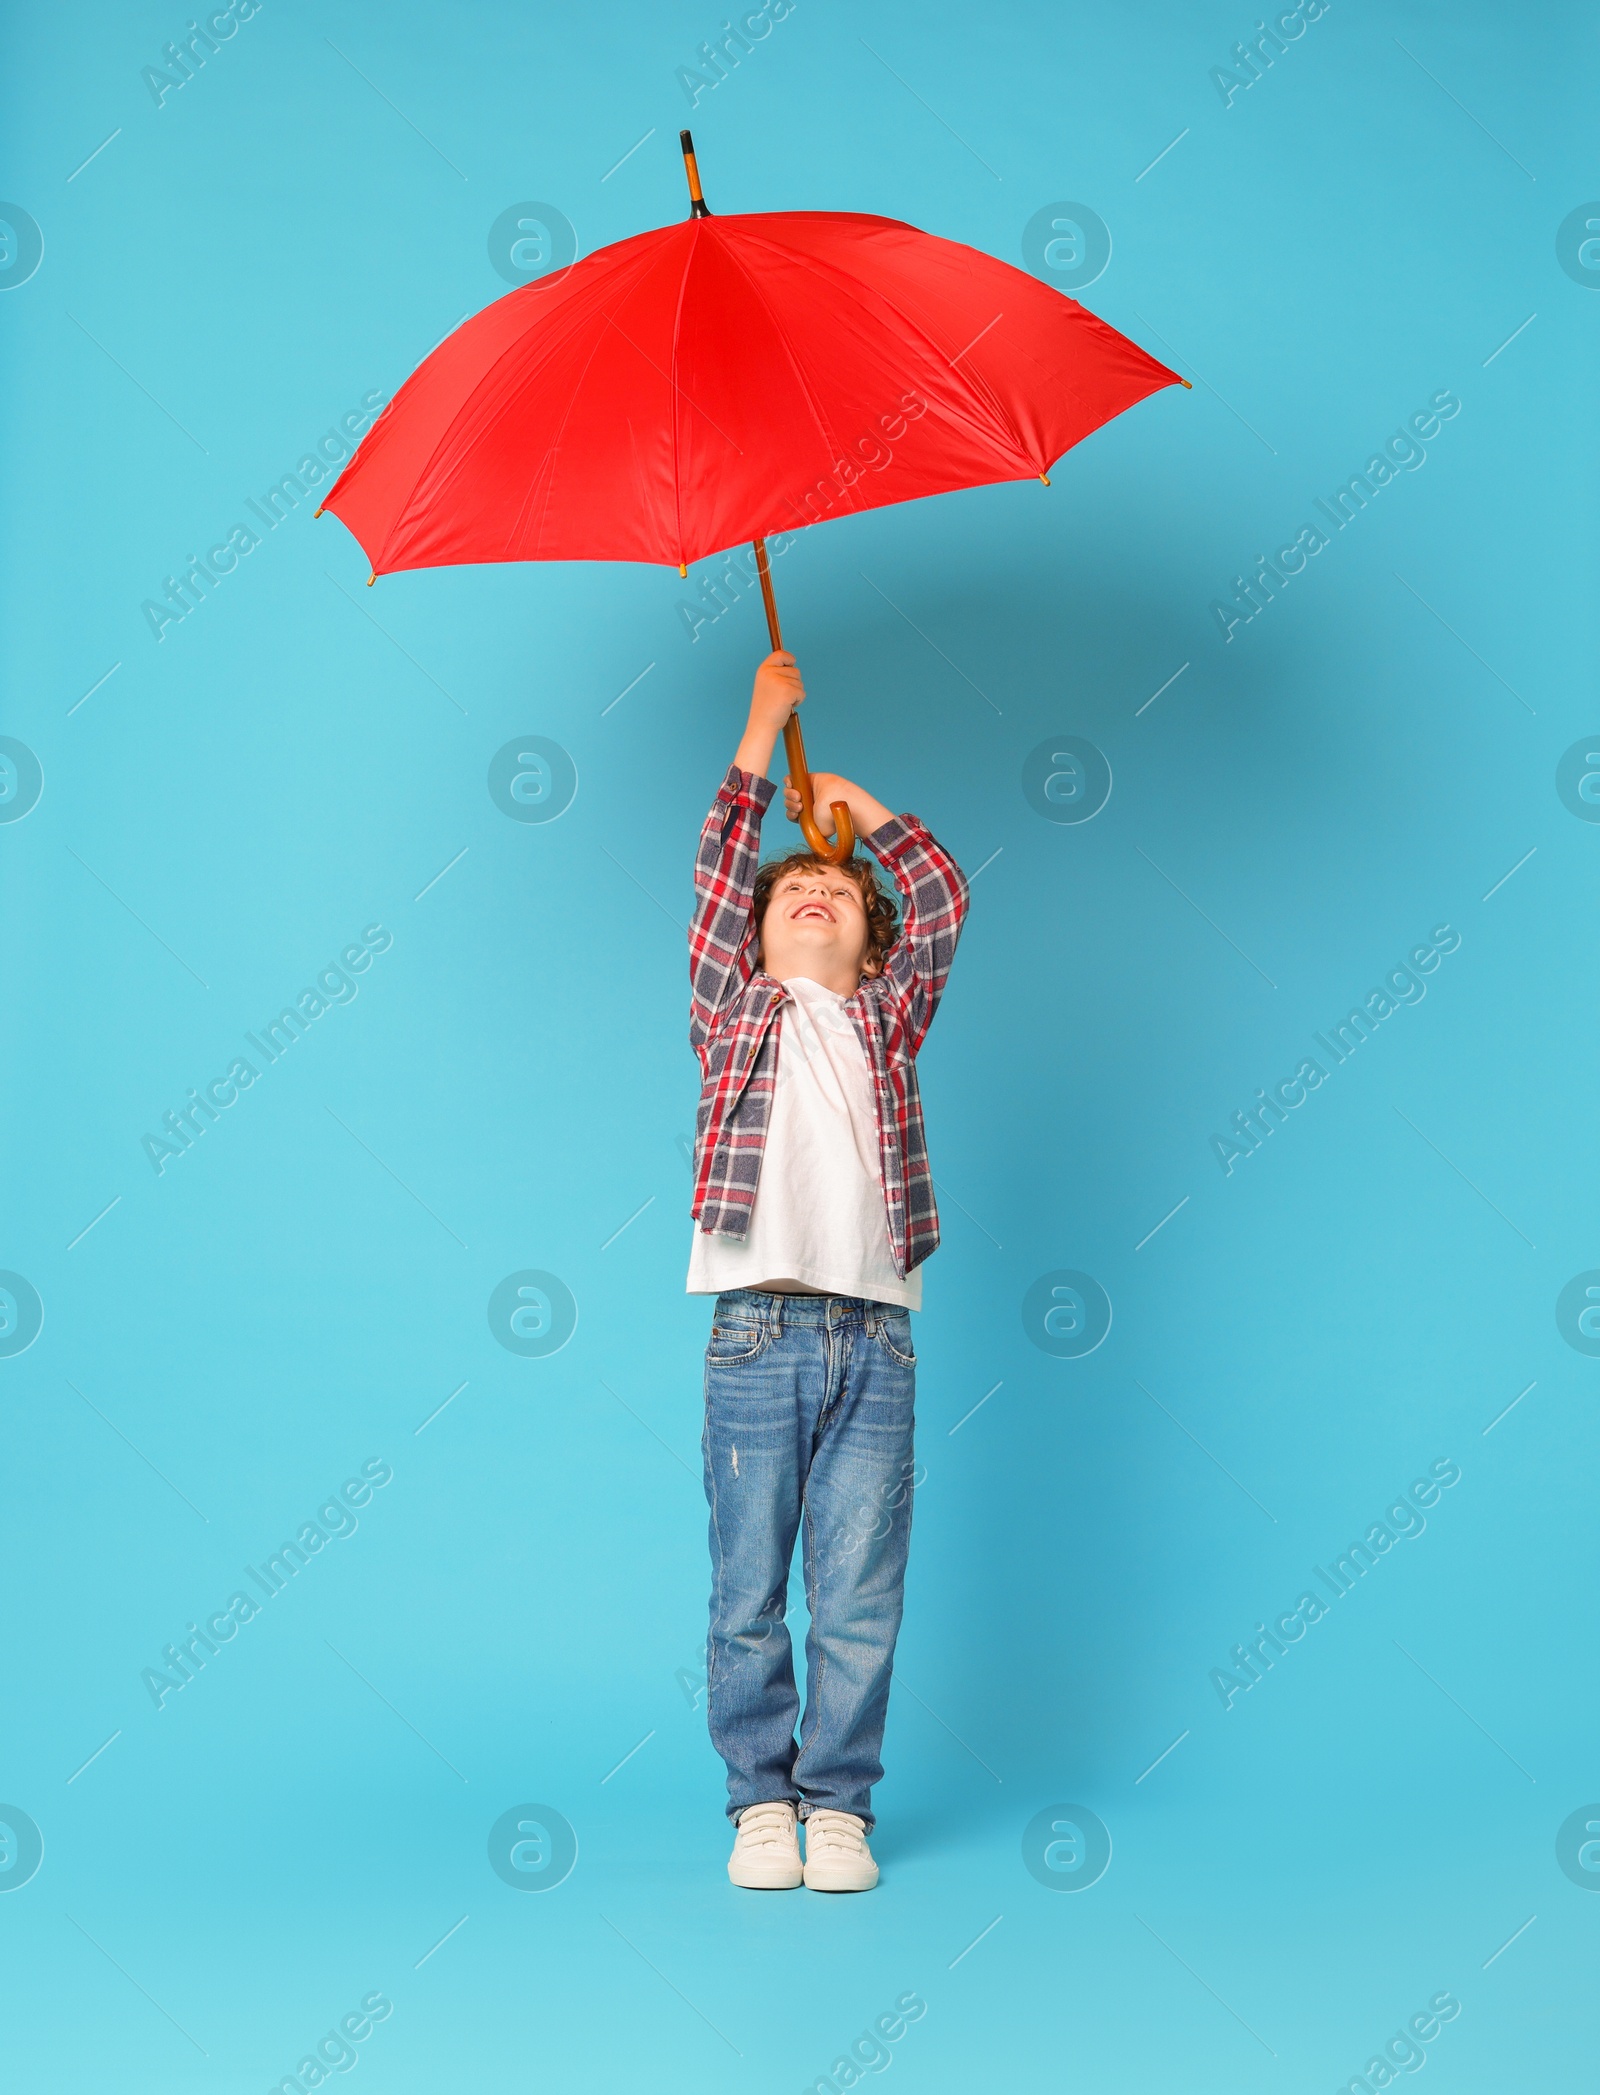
[(720, 933), (934, 894)]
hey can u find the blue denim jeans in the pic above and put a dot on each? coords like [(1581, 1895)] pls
[(809, 1404)]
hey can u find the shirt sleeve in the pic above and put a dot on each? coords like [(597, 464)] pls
[(933, 895), (721, 932)]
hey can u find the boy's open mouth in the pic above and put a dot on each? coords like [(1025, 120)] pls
[(814, 909)]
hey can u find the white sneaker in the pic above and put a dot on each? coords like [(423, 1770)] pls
[(837, 1855), (766, 1854)]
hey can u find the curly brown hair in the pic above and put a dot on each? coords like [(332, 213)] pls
[(883, 923)]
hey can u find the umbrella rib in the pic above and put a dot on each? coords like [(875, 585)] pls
[(672, 379), (801, 379), (405, 512), (976, 385), (549, 460), (610, 322), (550, 455), (977, 388)]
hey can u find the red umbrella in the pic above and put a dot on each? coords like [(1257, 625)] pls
[(711, 381)]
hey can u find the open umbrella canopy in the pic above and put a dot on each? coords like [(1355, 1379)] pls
[(722, 378)]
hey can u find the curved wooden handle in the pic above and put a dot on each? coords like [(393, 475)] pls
[(794, 745), (844, 830)]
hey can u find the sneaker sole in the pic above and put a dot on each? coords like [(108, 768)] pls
[(774, 1879), (820, 1882)]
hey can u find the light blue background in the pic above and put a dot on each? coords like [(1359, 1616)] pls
[(525, 1601)]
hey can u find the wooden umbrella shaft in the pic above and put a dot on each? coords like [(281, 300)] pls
[(844, 842), (698, 207), (794, 746)]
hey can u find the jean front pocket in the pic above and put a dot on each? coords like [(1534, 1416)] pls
[(732, 1342), (893, 1328)]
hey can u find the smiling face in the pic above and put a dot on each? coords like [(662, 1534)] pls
[(813, 921)]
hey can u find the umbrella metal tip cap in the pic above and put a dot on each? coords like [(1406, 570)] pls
[(370, 580)]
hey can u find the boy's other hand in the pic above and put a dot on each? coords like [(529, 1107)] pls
[(826, 788), (866, 813)]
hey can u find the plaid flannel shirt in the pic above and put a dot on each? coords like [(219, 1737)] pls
[(734, 1011)]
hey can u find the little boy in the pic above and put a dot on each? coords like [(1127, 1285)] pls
[(816, 1210)]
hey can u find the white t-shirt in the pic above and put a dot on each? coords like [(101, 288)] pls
[(819, 1216)]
